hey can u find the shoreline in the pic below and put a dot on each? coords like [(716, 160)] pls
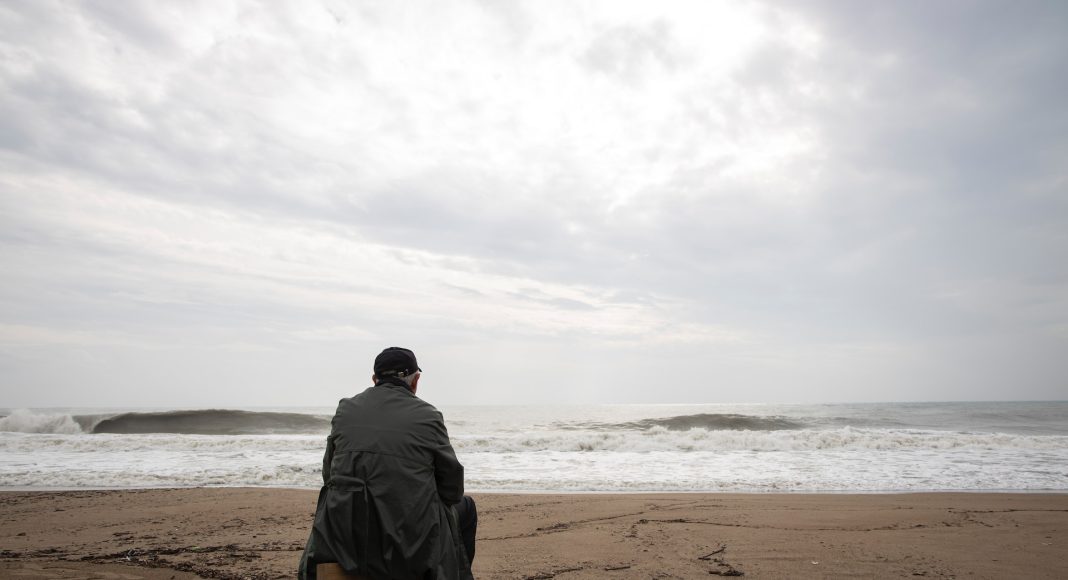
[(23, 488), (259, 533)]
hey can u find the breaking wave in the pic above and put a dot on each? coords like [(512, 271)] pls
[(709, 421), (23, 421), (716, 422), (213, 422), (886, 447), (697, 440), (163, 443), (196, 422)]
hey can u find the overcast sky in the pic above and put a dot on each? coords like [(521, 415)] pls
[(238, 203)]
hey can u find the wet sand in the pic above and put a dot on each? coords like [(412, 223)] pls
[(259, 533)]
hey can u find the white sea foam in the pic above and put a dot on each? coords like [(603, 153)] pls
[(24, 421), (693, 440), (774, 471), (599, 449), (815, 470), (108, 443), (653, 440)]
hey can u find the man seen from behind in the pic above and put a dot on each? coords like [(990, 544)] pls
[(392, 505)]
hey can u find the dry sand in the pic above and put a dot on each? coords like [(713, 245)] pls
[(259, 533)]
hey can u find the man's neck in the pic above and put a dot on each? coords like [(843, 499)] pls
[(394, 381)]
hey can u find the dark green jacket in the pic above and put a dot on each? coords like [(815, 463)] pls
[(391, 478)]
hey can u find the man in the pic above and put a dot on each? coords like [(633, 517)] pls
[(392, 504)]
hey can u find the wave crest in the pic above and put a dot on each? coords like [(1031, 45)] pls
[(717, 421), (709, 421), (24, 421), (194, 422), (213, 422), (659, 439)]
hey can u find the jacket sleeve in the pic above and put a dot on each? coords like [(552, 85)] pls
[(448, 472), (328, 458)]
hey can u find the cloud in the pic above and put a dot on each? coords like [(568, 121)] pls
[(760, 187)]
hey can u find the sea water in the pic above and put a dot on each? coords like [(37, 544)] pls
[(883, 447)]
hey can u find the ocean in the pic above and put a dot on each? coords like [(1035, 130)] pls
[(883, 447)]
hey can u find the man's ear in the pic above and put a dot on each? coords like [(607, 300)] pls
[(415, 382), (374, 379)]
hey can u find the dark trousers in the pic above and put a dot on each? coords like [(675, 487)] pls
[(468, 518)]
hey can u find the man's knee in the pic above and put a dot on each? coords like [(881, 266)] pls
[(468, 520), (466, 511)]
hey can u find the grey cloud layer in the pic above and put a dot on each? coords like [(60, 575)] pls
[(874, 187)]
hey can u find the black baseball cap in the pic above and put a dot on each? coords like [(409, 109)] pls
[(396, 362)]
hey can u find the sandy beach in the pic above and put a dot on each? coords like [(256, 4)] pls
[(255, 533)]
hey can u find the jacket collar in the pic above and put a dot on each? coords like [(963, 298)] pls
[(393, 382)]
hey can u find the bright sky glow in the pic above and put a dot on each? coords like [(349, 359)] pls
[(240, 203)]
